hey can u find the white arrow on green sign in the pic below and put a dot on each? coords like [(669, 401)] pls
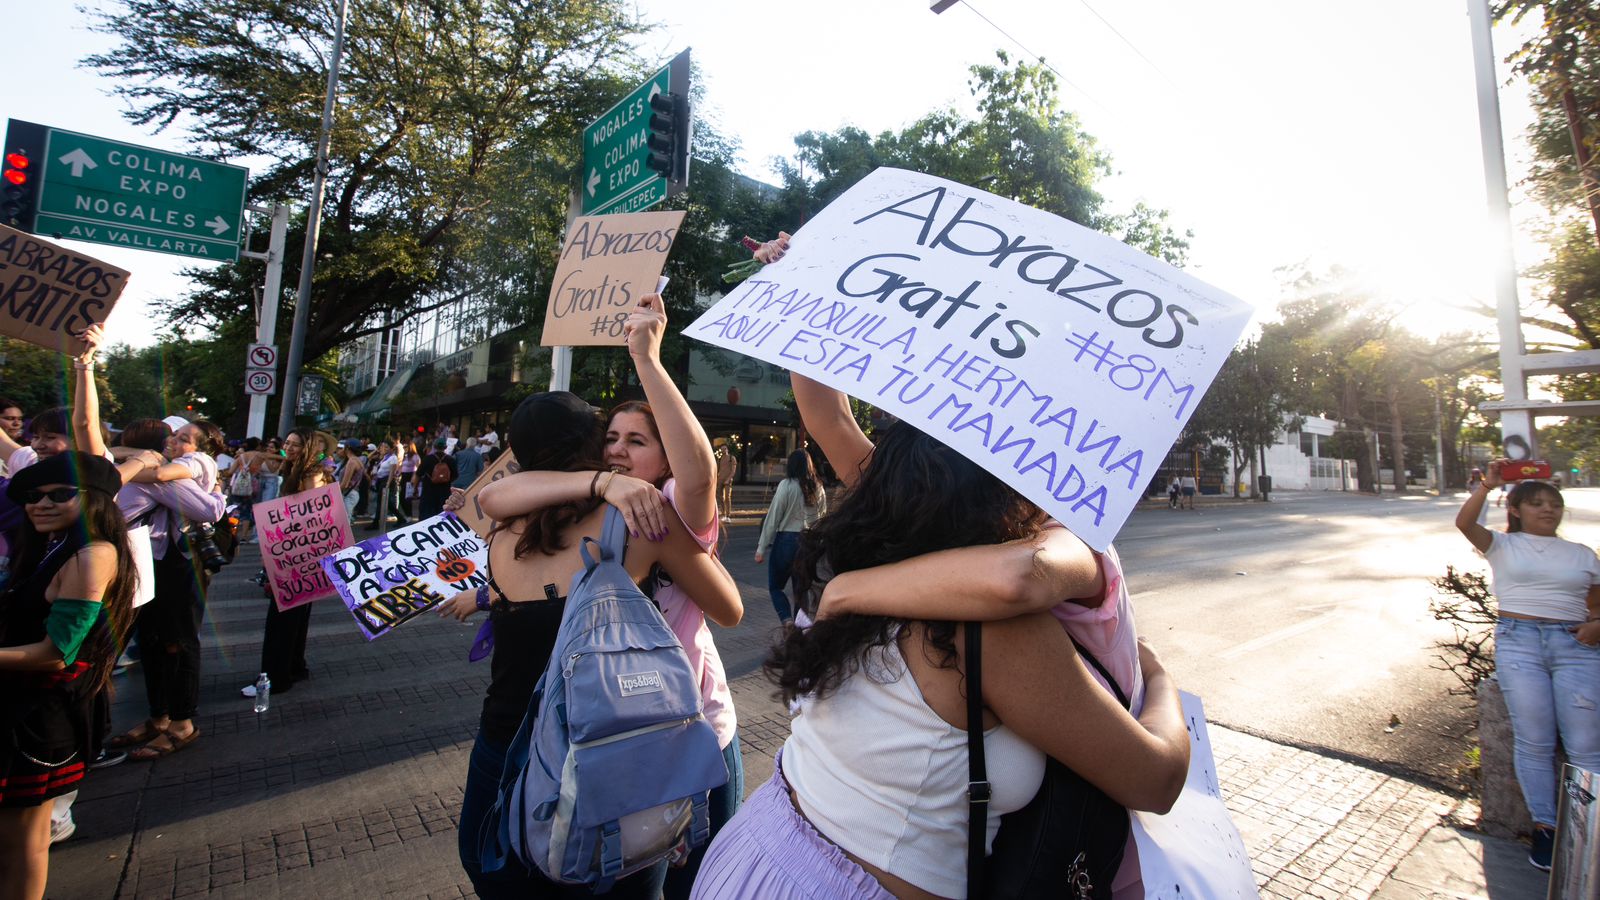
[(615, 177), (108, 192)]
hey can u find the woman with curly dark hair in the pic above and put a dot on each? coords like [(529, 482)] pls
[(63, 619), (868, 798)]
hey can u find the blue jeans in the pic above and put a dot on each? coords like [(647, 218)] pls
[(780, 565), (515, 881), (724, 802), (1551, 683)]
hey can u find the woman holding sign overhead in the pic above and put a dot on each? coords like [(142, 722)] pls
[(657, 455), (169, 625), (533, 555)]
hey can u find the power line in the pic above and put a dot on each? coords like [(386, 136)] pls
[(1037, 58), (1130, 44)]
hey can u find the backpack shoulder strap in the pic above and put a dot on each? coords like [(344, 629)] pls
[(1100, 667), (977, 771)]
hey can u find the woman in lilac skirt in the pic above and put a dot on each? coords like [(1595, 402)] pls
[(868, 799)]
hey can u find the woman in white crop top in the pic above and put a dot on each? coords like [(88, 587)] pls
[(1547, 642), (868, 799)]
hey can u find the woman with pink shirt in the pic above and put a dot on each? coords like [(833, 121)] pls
[(658, 456)]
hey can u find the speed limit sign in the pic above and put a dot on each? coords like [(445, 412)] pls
[(260, 381)]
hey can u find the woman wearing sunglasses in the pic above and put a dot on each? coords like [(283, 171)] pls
[(62, 621)]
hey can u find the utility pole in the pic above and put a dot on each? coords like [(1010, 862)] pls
[(267, 311), (1438, 441), (308, 259)]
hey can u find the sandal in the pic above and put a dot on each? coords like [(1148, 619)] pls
[(174, 744), (144, 734)]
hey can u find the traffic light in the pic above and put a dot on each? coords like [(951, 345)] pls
[(21, 175), (669, 139)]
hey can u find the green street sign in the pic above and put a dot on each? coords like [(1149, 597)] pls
[(108, 192), (616, 175)]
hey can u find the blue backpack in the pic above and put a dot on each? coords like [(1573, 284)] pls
[(609, 772)]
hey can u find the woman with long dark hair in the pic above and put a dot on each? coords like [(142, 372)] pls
[(797, 503), (1547, 642), (533, 556), (307, 454), (868, 798), (63, 619)]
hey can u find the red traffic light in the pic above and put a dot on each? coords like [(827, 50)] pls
[(16, 176), (421, 429), (17, 160)]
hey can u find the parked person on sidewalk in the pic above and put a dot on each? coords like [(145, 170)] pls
[(62, 619), (469, 464), (1547, 642), (659, 457), (353, 477), (385, 480), (558, 433), (727, 468), (243, 482), (410, 460), (433, 478), (11, 421), (869, 794), (796, 505), (283, 643)]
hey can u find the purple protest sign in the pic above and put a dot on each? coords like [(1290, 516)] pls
[(395, 577), (297, 531)]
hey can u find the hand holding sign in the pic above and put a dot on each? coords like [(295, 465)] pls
[(645, 327)]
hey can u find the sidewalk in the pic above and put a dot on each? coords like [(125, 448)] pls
[(350, 785)]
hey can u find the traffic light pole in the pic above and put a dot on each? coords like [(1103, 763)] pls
[(267, 312), (308, 259)]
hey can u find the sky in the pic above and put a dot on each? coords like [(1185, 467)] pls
[(1280, 133)]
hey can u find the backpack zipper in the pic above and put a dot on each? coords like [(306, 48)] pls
[(624, 735)]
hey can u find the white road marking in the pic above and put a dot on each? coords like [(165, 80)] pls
[(1282, 634)]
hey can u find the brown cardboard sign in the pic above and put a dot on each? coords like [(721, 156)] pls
[(606, 265), (470, 512), (49, 294)]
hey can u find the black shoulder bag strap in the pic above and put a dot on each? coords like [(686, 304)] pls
[(977, 772)]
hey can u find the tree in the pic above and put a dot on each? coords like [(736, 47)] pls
[(39, 378), (456, 123), (1023, 145), (1248, 404)]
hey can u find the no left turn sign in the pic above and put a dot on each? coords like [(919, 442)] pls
[(262, 356), (258, 381)]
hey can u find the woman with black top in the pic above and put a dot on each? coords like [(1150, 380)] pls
[(62, 620), (307, 455), (533, 558)]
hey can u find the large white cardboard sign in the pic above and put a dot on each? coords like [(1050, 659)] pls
[(1194, 850), (1061, 360)]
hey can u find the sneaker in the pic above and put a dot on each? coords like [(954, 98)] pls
[(109, 758), (1544, 846), (248, 690), (61, 829)]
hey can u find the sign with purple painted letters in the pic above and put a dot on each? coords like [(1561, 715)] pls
[(1062, 360), (391, 579)]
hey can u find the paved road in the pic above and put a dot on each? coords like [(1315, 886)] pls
[(1307, 619)]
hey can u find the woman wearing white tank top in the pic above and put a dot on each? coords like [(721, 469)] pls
[(868, 797)]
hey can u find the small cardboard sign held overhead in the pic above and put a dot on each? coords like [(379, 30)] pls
[(472, 513), (49, 294), (606, 265)]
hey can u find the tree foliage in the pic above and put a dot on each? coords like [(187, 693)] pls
[(456, 125), (1022, 144)]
